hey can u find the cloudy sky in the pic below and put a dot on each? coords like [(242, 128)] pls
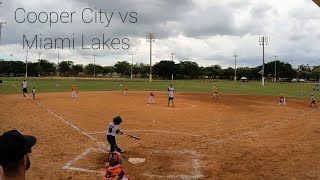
[(206, 31)]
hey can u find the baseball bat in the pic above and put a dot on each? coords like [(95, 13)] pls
[(135, 137)]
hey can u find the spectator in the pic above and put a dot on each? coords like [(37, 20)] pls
[(14, 154)]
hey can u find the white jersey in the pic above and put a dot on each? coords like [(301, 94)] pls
[(112, 129), (313, 98), (24, 84), (215, 88), (170, 91), (34, 91)]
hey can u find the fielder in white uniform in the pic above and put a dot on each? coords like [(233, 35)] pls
[(151, 98), (24, 87), (170, 95), (34, 93), (313, 101)]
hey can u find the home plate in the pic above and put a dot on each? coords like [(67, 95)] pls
[(136, 160)]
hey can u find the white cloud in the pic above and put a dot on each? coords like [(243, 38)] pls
[(208, 32)]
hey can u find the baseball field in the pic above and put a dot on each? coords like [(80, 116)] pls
[(243, 135)]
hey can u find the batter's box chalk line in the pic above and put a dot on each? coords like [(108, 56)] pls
[(69, 165), (196, 174)]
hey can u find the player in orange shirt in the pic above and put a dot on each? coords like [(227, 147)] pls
[(74, 91), (125, 90), (151, 98), (215, 92), (282, 100), (114, 169)]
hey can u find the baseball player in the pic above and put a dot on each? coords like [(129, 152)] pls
[(113, 129), (34, 93), (151, 98), (282, 100), (313, 101), (114, 169), (125, 90), (24, 87), (74, 91), (215, 92), (170, 95)]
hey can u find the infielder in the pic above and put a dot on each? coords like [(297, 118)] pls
[(282, 100), (24, 87), (215, 92), (170, 95), (151, 98), (113, 129), (73, 91), (313, 101), (125, 90)]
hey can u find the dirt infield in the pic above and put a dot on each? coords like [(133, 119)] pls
[(236, 137)]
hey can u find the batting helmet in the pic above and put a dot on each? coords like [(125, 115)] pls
[(117, 120)]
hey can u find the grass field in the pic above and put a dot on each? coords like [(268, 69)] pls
[(253, 87)]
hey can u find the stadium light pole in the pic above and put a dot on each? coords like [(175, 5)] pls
[(263, 41), (1, 66), (58, 61), (94, 65), (10, 64), (172, 54), (150, 38), (131, 64), (27, 63), (1, 25), (235, 67), (275, 69), (39, 62)]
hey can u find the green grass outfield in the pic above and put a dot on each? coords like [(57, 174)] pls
[(224, 86)]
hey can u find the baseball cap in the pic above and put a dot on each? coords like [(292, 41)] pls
[(14, 145)]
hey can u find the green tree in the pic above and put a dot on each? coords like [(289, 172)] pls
[(47, 68), (164, 69), (213, 71), (77, 69), (123, 68), (64, 67), (189, 69)]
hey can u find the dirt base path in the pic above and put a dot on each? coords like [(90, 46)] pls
[(235, 137)]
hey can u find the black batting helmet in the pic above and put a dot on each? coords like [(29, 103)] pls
[(117, 120)]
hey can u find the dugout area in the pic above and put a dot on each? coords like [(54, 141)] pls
[(236, 137)]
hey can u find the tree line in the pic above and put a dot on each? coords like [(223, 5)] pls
[(162, 70)]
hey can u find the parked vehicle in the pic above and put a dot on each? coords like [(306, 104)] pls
[(316, 87), (243, 79)]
